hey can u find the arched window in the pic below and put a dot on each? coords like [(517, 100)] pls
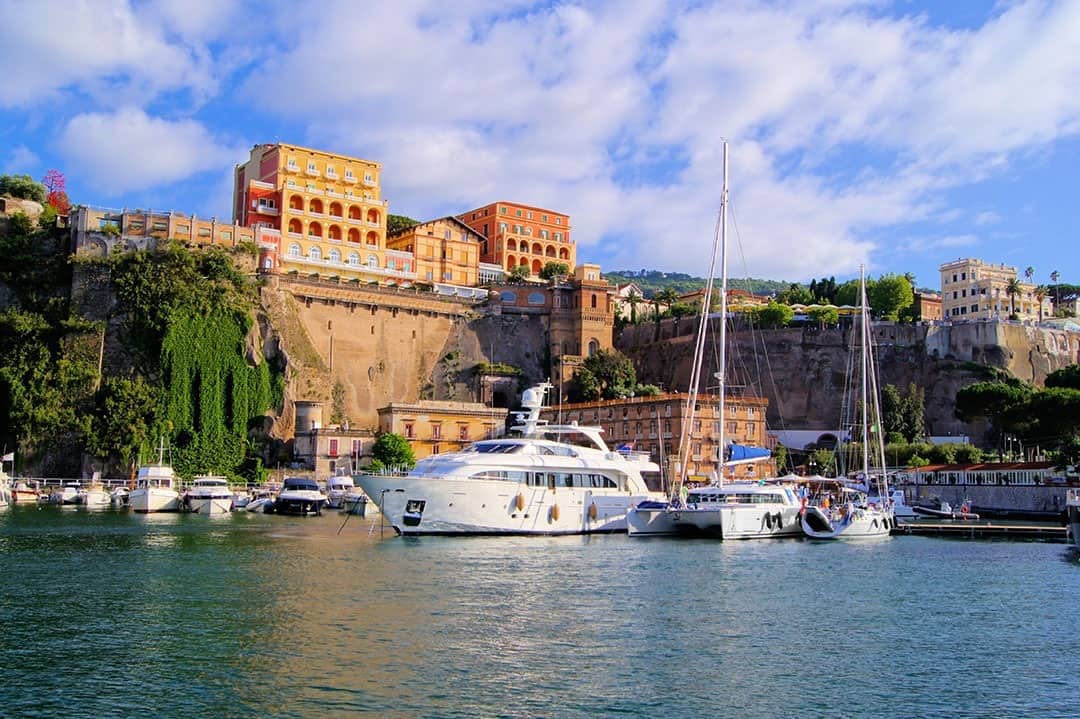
[(536, 298), (373, 216), (564, 254), (296, 203), (268, 264), (594, 347), (508, 297), (314, 229), (536, 267), (354, 235), (335, 209), (334, 256), (315, 205), (354, 259), (537, 249), (333, 232), (314, 253), (372, 261), (550, 251), (593, 299), (294, 250), (295, 226), (510, 261), (511, 245), (373, 238), (355, 213)]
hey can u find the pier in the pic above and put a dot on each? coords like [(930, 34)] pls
[(985, 530)]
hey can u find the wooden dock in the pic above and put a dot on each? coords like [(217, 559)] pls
[(985, 530)]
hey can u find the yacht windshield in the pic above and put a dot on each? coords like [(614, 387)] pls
[(495, 447)]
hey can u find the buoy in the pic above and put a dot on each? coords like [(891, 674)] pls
[(554, 513), (519, 501), (592, 511)]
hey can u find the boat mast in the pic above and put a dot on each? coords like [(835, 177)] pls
[(689, 414), (722, 373), (863, 373)]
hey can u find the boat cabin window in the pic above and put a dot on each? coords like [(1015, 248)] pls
[(494, 448)]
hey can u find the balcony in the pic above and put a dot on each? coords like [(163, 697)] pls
[(335, 217), (266, 210), (262, 185), (369, 223), (369, 182), (349, 179), (331, 193), (292, 167), (313, 213), (312, 172), (330, 174), (296, 210)]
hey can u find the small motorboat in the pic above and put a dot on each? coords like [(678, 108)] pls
[(23, 493), (66, 494), (945, 511), (299, 495), (94, 496), (354, 502), (337, 488), (209, 495), (119, 497)]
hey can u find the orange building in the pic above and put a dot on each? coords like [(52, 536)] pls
[(328, 209), (516, 235), (437, 427), (446, 251)]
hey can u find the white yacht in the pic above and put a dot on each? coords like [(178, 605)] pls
[(298, 495), (1072, 509), (210, 495), (94, 496), (337, 488), (154, 487), (551, 479), (67, 493)]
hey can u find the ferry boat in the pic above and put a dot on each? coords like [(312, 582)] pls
[(1072, 508), (209, 495), (549, 479), (154, 490)]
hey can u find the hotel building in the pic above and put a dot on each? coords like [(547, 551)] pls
[(973, 289), (324, 214), (515, 234), (437, 427), (446, 251)]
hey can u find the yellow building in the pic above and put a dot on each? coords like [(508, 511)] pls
[(973, 289), (446, 251), (328, 209), (437, 427)]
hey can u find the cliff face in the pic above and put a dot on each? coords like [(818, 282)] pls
[(802, 371)]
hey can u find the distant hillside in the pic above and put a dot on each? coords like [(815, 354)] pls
[(652, 281)]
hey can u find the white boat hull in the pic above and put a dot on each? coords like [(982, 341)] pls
[(154, 499), (859, 523), (739, 521), (210, 506), (1072, 509), (420, 505), (651, 521), (96, 499)]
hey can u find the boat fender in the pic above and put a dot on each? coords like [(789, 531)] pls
[(519, 501), (592, 511), (779, 520), (768, 520), (554, 513)]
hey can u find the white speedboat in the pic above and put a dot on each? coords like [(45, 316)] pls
[(1072, 510), (337, 488), (94, 496), (120, 496), (355, 502), (550, 479), (298, 495), (209, 495), (68, 493), (154, 487), (733, 510)]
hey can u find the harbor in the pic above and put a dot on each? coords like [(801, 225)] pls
[(115, 614)]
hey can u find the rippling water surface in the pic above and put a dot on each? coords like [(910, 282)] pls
[(113, 614)]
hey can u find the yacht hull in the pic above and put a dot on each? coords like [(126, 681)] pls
[(427, 505), (209, 506), (860, 523), (651, 519), (154, 500), (1072, 510), (739, 521), (96, 499)]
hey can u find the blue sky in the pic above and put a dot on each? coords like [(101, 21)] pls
[(900, 135)]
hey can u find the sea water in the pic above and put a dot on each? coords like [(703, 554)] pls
[(113, 614)]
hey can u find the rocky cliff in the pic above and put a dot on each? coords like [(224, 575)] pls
[(802, 371)]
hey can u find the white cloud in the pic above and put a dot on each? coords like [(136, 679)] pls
[(101, 47), (130, 150), (21, 161), (988, 217)]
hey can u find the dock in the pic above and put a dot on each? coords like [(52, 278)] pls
[(985, 530)]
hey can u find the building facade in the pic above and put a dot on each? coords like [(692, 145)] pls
[(100, 232), (655, 424), (928, 307), (437, 427), (973, 289), (521, 235), (446, 251), (327, 209)]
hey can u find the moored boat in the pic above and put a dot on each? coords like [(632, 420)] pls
[(67, 493), (298, 495), (23, 493), (548, 479), (209, 495), (337, 488), (1072, 510), (154, 487), (5, 489), (94, 496), (944, 510)]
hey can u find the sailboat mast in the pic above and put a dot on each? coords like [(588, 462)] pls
[(721, 375), (863, 374)]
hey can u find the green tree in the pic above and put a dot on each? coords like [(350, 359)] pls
[(1012, 289), (796, 294), (393, 450), (552, 269), (824, 316), (1065, 377), (968, 454), (607, 374), (775, 315), (519, 273), (890, 295), (128, 416), (646, 390), (892, 411), (780, 457), (913, 411), (397, 223), (22, 187), (823, 462), (337, 404)]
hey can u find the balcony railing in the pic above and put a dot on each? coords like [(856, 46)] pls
[(262, 185), (349, 179), (312, 171)]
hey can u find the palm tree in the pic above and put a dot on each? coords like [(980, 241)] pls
[(1012, 289), (1040, 294), (633, 299), (1029, 273)]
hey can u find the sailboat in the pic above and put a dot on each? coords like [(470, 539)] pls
[(725, 510), (848, 514)]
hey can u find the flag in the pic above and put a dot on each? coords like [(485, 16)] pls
[(625, 447), (9, 457)]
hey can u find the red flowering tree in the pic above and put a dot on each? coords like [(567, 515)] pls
[(57, 196)]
